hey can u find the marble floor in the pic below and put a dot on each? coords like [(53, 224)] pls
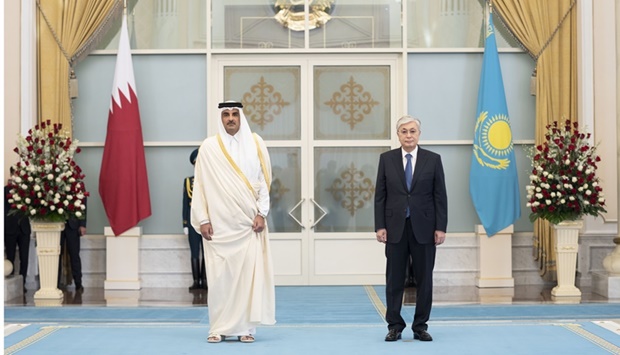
[(533, 294)]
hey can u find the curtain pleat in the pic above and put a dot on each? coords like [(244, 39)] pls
[(79, 25)]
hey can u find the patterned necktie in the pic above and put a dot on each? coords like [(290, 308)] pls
[(408, 177)]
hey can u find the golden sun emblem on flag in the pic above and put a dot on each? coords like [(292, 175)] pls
[(493, 141)]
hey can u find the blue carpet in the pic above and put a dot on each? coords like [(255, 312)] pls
[(486, 338), (315, 320)]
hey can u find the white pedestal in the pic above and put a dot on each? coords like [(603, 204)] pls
[(123, 259), (129, 298), (494, 258), (606, 285), (566, 235), (504, 295), (48, 252)]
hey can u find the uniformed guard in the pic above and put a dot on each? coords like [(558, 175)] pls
[(195, 239)]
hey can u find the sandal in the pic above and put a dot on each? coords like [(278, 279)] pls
[(215, 338), (246, 338)]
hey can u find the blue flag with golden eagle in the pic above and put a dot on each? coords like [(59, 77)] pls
[(493, 181)]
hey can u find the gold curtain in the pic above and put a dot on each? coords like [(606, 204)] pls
[(78, 25), (533, 23)]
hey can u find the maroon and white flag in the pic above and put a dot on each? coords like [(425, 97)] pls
[(123, 181)]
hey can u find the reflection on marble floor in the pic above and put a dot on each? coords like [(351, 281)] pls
[(172, 297)]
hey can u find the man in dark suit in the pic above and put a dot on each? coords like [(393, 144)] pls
[(16, 235), (195, 239), (411, 216), (70, 237)]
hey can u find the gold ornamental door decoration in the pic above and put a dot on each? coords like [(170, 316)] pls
[(291, 14), (263, 103), (352, 103), (353, 189)]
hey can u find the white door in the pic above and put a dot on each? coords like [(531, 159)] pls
[(325, 121)]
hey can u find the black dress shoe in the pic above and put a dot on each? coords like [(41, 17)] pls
[(422, 335), (393, 335), (79, 287)]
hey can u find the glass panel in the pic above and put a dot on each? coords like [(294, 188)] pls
[(451, 24), (162, 24), (251, 24), (271, 99), (285, 190), (359, 24), (345, 188), (352, 102)]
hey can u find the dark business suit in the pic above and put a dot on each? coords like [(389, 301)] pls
[(16, 234), (427, 201)]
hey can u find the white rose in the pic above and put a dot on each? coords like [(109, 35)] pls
[(33, 212), (18, 179), (572, 198), (37, 188), (17, 198), (586, 203), (580, 188), (585, 186), (562, 201), (545, 173), (580, 167), (539, 196), (78, 214), (538, 189), (67, 188), (52, 207), (61, 211), (39, 195), (528, 196), (588, 192), (77, 203), (550, 176), (553, 194), (567, 161), (25, 187), (528, 205), (30, 179), (533, 177), (82, 207), (588, 171), (566, 186), (58, 180), (50, 176), (57, 195), (69, 197), (600, 199), (65, 202), (72, 180), (548, 202), (19, 206), (27, 201), (574, 179)]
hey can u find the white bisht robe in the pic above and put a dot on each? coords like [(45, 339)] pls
[(238, 260)]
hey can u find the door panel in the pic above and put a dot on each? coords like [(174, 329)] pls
[(325, 123)]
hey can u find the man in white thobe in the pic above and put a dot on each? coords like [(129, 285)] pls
[(229, 207)]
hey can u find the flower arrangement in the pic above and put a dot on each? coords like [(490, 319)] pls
[(563, 184), (47, 185)]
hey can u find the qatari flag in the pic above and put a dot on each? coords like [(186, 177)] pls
[(123, 182)]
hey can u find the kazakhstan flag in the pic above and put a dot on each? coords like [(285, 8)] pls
[(493, 181)]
